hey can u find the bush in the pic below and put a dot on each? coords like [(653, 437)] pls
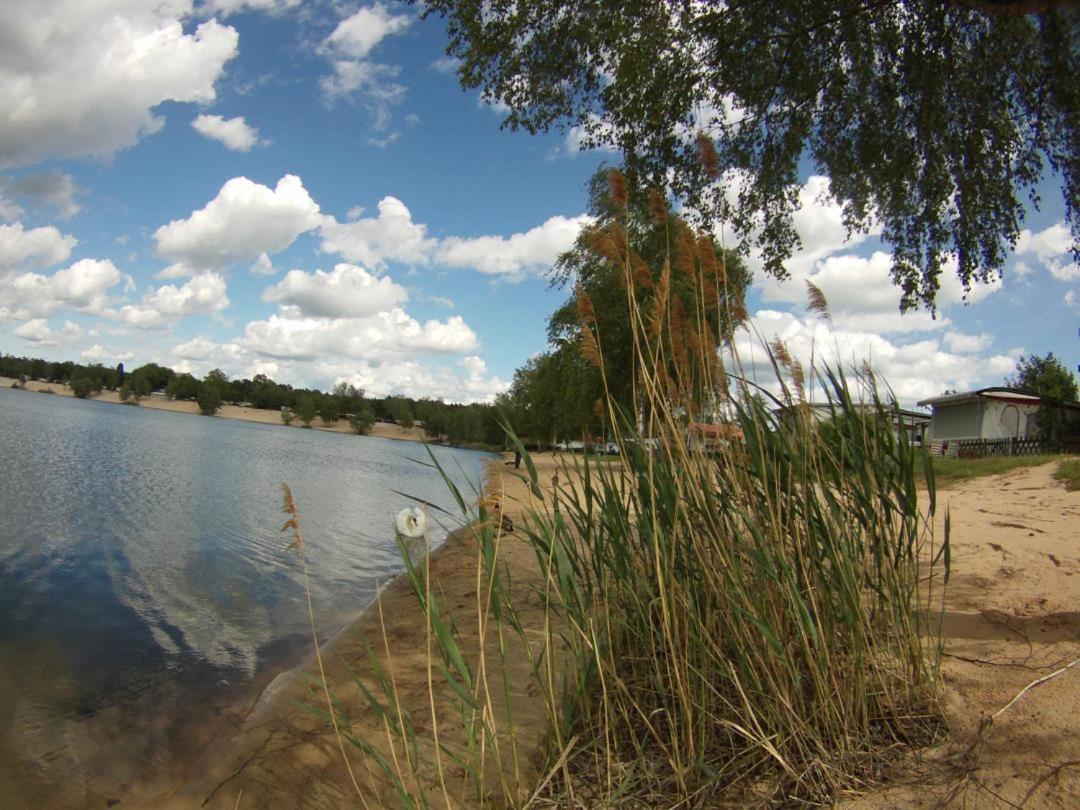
[(287, 416), (209, 398), (363, 419), (305, 409), (83, 387)]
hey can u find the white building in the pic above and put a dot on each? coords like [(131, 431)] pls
[(988, 413)]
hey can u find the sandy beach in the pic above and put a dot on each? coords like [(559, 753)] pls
[(381, 430), (1010, 619)]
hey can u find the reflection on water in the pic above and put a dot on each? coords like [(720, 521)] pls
[(144, 587)]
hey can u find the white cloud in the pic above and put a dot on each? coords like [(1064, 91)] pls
[(348, 291), (1051, 247), (915, 370), (83, 78), (227, 7), (205, 294), (1070, 298), (54, 188), (83, 286), (469, 382), (391, 236), (355, 75), (234, 133), (98, 353), (262, 266), (445, 65), (37, 331), (36, 248), (516, 255), (242, 222), (391, 334), (961, 342)]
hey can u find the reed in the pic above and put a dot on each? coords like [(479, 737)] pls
[(749, 620)]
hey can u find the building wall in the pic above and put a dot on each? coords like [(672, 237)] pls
[(1003, 420), (962, 421)]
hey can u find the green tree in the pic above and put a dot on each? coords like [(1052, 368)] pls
[(305, 409), (401, 412), (208, 397), (82, 386), (330, 409), (1055, 384), (935, 119), (135, 387), (362, 418), (119, 375), (287, 416), (182, 386)]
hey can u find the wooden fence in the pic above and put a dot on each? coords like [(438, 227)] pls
[(980, 448)]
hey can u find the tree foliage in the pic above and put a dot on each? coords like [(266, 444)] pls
[(1055, 384), (931, 118)]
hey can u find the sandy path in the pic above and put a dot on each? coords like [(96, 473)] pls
[(266, 417)]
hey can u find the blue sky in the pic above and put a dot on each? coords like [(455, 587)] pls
[(302, 189)]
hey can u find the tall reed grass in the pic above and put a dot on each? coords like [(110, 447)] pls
[(746, 621)]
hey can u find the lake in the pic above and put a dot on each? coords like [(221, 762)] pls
[(146, 593)]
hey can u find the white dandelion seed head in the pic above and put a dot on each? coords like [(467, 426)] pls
[(412, 522)]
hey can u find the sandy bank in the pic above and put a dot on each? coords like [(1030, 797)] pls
[(1012, 616), (284, 756), (267, 417)]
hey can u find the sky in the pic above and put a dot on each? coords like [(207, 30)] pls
[(300, 188)]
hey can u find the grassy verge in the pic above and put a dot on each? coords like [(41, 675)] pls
[(951, 471), (1068, 473)]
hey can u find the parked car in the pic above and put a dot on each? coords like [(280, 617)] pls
[(611, 448)]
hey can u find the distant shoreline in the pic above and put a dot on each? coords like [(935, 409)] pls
[(264, 416)]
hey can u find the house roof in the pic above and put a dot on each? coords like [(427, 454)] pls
[(1016, 396), (865, 406), (716, 431)]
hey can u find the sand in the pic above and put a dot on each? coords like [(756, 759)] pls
[(1012, 616), (381, 430)]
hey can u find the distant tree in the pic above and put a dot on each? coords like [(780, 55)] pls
[(362, 419), (182, 386), (1055, 384), (287, 416), (119, 375), (305, 409), (401, 412), (209, 396), (83, 387), (330, 410), (135, 387)]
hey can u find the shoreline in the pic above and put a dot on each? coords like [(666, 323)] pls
[(280, 754), (380, 430)]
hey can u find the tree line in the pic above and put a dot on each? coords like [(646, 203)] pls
[(473, 425)]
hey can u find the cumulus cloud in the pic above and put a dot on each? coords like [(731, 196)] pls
[(234, 133), (54, 189), (355, 75), (469, 380), (83, 286), (516, 255), (35, 249), (964, 343), (348, 291), (227, 7), (205, 294), (98, 353), (244, 221), (83, 78), (383, 335), (37, 331), (390, 236), (1051, 247), (913, 369)]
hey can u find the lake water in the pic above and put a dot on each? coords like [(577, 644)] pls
[(146, 594)]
